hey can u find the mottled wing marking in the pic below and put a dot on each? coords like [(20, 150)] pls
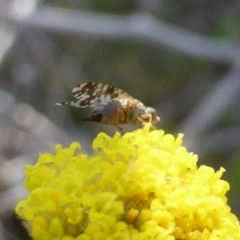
[(93, 94)]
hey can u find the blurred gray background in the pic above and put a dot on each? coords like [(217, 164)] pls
[(181, 57)]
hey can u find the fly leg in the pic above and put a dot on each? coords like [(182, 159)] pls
[(127, 112), (101, 127), (147, 117), (119, 128), (120, 119)]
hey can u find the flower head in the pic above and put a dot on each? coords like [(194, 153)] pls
[(143, 185)]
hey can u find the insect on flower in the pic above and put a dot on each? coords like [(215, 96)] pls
[(111, 105)]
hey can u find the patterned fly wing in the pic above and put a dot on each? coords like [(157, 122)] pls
[(93, 94)]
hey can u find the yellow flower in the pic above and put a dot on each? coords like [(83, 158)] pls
[(143, 185)]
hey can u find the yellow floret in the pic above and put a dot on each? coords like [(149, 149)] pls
[(141, 186)]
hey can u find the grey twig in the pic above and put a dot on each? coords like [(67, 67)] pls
[(20, 9), (212, 105), (221, 141), (138, 26)]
